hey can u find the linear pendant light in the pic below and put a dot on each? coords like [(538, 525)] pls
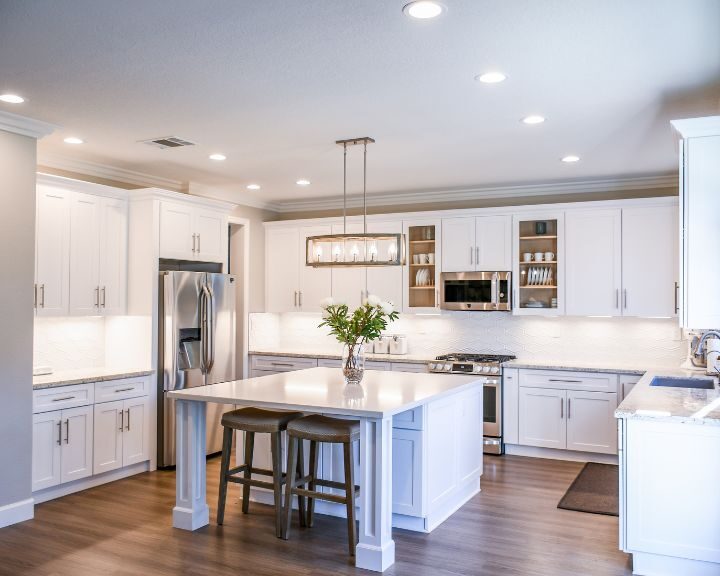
[(345, 250)]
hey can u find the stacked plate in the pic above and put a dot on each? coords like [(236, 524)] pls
[(539, 276), (423, 277)]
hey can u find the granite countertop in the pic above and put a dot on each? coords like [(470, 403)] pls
[(84, 376), (685, 405), (604, 367), (413, 358)]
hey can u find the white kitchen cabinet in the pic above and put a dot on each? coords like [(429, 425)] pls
[(481, 243), (650, 261), (47, 449), (385, 281), (510, 405), (121, 434), (593, 262), (191, 232), (76, 457), (591, 421), (542, 417), (113, 256), (407, 472), (627, 383), (699, 206), (282, 269), (422, 237), (52, 251), (315, 283)]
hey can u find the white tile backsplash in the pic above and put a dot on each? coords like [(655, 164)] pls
[(69, 343), (626, 341)]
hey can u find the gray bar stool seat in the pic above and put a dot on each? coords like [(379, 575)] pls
[(317, 428), (252, 421)]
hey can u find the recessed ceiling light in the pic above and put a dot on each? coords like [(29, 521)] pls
[(253, 186), (570, 158), (533, 119), (12, 98), (424, 9), (217, 157), (491, 77), (73, 140), (303, 182)]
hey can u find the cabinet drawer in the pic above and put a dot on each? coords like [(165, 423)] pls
[(282, 363), (408, 367), (62, 397), (120, 389), (375, 365), (564, 380), (410, 419), (329, 362)]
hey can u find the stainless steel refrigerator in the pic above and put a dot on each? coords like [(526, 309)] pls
[(196, 348)]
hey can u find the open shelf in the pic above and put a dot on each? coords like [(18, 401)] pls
[(530, 241), (431, 287), (539, 237), (422, 265), (538, 287), (538, 263)]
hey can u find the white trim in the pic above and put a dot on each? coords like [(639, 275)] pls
[(694, 127), (245, 316), (106, 172), (654, 181), (25, 126), (244, 198), (17, 512), (159, 194), (557, 454), (81, 186)]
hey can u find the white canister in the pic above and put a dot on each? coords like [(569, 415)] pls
[(712, 346), (381, 345), (398, 344)]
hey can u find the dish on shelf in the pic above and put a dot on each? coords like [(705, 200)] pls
[(534, 304)]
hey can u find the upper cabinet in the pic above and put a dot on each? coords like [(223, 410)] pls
[(480, 244), (385, 281), (52, 250), (421, 273), (190, 232), (699, 306)]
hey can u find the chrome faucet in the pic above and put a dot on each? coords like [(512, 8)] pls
[(698, 347)]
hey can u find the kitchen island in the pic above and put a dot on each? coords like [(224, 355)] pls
[(446, 409), (668, 447)]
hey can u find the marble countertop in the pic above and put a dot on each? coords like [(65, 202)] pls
[(298, 353), (84, 376), (599, 367), (686, 405), (382, 394)]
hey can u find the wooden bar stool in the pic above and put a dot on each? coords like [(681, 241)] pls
[(316, 429), (252, 421)]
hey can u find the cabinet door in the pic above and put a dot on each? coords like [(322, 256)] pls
[(113, 257), (46, 450), (458, 244), (108, 436), (282, 267), (407, 472), (136, 436), (385, 281), (542, 417), (493, 242), (211, 240), (176, 231), (591, 425), (77, 449), (593, 256), (627, 383), (84, 254), (348, 284), (52, 251), (649, 261), (315, 283)]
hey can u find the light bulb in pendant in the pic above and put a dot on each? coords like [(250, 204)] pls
[(355, 252), (336, 254), (318, 253), (373, 251), (392, 252)]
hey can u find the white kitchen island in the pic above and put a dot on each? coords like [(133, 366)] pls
[(448, 407)]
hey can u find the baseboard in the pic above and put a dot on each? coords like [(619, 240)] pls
[(17, 512), (657, 565), (89, 482), (555, 454)]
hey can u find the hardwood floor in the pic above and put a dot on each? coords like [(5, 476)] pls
[(512, 528)]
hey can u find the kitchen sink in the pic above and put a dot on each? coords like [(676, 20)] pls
[(675, 382)]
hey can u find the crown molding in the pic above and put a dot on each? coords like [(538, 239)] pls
[(484, 192), (237, 198), (694, 127), (25, 126)]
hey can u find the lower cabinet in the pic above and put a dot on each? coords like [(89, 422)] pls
[(62, 446), (627, 383), (121, 435)]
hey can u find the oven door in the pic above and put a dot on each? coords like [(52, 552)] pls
[(475, 291), (492, 406)]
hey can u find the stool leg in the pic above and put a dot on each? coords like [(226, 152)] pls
[(301, 473), (290, 479), (249, 447), (277, 479), (350, 494), (224, 467), (313, 474)]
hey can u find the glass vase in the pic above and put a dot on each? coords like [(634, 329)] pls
[(353, 363)]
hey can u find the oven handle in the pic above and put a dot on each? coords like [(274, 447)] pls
[(495, 298)]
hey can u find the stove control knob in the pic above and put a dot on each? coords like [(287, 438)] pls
[(447, 367), (432, 366), (477, 368), (495, 370), (486, 369)]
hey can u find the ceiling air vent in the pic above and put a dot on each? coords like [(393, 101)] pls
[(168, 142)]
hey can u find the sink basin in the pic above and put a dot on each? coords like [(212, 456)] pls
[(673, 382)]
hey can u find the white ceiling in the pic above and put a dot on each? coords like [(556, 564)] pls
[(272, 84)]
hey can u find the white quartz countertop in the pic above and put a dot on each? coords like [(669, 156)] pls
[(577, 365), (323, 390), (335, 355), (688, 405), (86, 375)]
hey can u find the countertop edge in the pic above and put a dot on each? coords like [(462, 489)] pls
[(69, 381)]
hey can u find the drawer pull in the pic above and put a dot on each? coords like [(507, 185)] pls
[(118, 390), (282, 364), (59, 433), (566, 381), (67, 431), (122, 420), (63, 398)]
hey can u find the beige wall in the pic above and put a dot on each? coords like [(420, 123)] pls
[(17, 261)]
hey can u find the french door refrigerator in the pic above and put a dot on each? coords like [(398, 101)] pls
[(196, 348)]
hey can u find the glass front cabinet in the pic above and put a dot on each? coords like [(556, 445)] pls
[(539, 264), (421, 272)]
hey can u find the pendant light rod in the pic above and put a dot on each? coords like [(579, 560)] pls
[(365, 140), (344, 188), (365, 188)]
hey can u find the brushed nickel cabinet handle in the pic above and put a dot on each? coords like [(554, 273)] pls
[(282, 364), (103, 297), (122, 420), (128, 420), (59, 441), (97, 296), (617, 298), (471, 254), (300, 298), (625, 298), (67, 431), (477, 255), (677, 290), (566, 381), (63, 398), (35, 301), (42, 295), (198, 239), (193, 248), (118, 390), (295, 299), (569, 408), (562, 405)]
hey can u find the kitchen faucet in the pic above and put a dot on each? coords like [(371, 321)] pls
[(697, 352)]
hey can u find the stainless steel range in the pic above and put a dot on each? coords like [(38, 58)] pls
[(489, 366)]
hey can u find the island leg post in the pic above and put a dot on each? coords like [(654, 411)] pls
[(191, 509), (376, 548)]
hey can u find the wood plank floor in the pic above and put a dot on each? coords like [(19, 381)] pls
[(512, 528)]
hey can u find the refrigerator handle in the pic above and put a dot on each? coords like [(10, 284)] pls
[(203, 330), (210, 328), (169, 344)]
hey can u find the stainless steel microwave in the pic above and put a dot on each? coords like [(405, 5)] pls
[(475, 291)]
